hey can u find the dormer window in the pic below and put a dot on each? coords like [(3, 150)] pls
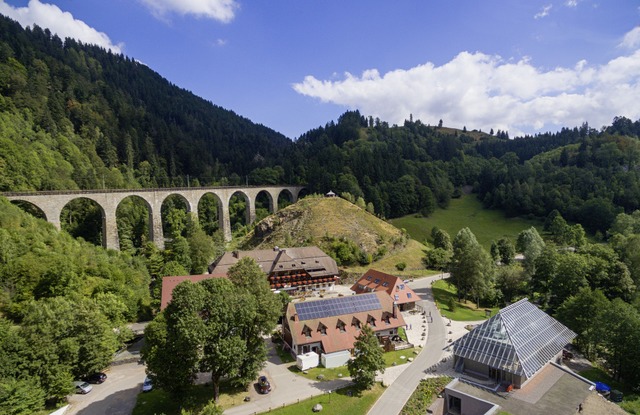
[(322, 329), (341, 326), (306, 330), (371, 321), (386, 319), (355, 322)]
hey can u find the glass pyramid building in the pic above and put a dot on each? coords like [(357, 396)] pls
[(520, 340)]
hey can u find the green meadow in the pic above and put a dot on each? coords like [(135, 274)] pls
[(467, 211)]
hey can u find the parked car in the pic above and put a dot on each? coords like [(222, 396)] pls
[(82, 387), (96, 378), (147, 385), (264, 386)]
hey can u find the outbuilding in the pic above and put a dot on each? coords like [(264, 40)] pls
[(307, 360)]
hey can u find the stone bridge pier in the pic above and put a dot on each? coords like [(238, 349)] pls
[(51, 204)]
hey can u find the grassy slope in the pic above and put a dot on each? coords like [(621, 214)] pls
[(467, 211), (465, 311), (411, 255), (308, 221), (337, 403)]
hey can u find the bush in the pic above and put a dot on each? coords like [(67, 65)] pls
[(400, 266), (451, 304)]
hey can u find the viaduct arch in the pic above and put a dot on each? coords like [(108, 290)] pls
[(51, 204)]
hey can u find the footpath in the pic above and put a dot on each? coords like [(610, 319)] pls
[(398, 393)]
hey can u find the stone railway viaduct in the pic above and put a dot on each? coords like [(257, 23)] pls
[(51, 204)]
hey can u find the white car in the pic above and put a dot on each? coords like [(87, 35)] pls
[(82, 387), (147, 385)]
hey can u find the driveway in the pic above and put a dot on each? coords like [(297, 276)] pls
[(396, 396), (116, 396)]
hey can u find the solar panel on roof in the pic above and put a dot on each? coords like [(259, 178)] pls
[(337, 306)]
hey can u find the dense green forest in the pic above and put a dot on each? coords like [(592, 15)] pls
[(60, 301), (78, 116)]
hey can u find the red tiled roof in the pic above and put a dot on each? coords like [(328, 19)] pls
[(169, 283), (335, 340), (395, 286)]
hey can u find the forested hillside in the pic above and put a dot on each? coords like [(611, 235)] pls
[(588, 175), (63, 307), (77, 116)]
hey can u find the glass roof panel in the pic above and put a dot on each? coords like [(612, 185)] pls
[(519, 339)]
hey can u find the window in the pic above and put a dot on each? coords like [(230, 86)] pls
[(306, 331), (369, 278), (396, 297), (371, 321), (341, 326), (408, 295), (322, 329), (386, 319), (376, 281), (402, 286), (385, 284), (355, 322)]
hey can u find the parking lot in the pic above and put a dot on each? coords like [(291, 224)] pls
[(116, 396)]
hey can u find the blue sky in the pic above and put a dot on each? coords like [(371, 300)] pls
[(293, 65)]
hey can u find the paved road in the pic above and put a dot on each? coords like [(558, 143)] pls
[(395, 396), (116, 396)]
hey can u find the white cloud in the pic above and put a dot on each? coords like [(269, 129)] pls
[(631, 40), (482, 91), (61, 23), (544, 12), (221, 10), (571, 3)]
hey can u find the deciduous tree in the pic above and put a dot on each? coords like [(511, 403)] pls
[(472, 271), (368, 359), (214, 326)]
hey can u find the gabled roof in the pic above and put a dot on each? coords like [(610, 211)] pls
[(337, 315), (520, 339), (169, 283), (311, 259), (373, 280)]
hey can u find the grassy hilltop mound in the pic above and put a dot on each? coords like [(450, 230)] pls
[(324, 221)]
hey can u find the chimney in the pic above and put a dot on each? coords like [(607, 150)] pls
[(395, 309)]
